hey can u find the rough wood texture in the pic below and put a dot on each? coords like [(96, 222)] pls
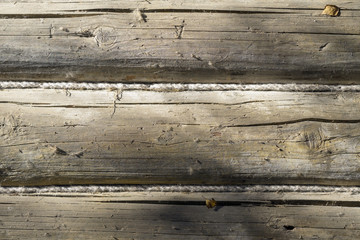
[(219, 41), (176, 216), (108, 137)]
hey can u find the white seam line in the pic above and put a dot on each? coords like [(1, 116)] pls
[(179, 188), (182, 87)]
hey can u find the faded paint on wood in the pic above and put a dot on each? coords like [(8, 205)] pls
[(232, 137), (219, 41), (115, 216)]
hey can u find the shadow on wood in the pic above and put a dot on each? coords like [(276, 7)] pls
[(232, 137)]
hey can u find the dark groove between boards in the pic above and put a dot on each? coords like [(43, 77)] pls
[(127, 10), (48, 15), (221, 204), (119, 104)]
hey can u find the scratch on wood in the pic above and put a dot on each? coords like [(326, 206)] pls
[(179, 29), (196, 57), (118, 97), (50, 31)]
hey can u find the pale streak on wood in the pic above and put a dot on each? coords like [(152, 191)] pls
[(246, 41), (141, 216), (232, 137), (230, 197)]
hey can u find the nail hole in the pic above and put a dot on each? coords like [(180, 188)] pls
[(289, 227)]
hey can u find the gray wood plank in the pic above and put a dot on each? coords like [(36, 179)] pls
[(93, 217), (215, 137), (220, 41)]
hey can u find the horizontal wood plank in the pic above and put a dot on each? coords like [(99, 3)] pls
[(179, 41), (145, 137), (122, 216)]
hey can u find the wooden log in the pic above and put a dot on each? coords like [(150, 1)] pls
[(155, 216), (219, 41), (145, 137)]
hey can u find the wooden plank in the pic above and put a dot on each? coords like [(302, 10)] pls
[(186, 41), (93, 217), (144, 137)]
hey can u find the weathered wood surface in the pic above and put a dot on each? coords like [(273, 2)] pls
[(219, 41), (155, 216), (217, 137)]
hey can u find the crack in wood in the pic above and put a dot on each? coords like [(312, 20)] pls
[(318, 33), (45, 15), (59, 151), (323, 46), (296, 121), (106, 105), (118, 97), (162, 10), (241, 203), (50, 31), (180, 29)]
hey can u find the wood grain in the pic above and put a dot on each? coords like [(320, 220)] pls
[(123, 216), (180, 41), (143, 137)]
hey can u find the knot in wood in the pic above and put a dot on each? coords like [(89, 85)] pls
[(313, 138), (105, 37)]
